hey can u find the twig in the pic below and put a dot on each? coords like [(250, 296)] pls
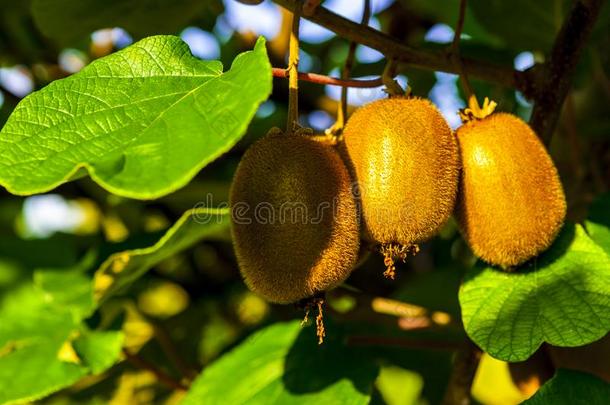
[(333, 81), (393, 48), (161, 376), (170, 350), (555, 77), (347, 68), (455, 51), (293, 74), (464, 369), (364, 340)]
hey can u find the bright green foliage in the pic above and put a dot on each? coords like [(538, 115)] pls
[(138, 17), (570, 387), (398, 386), (123, 268), (44, 346), (142, 121), (78, 298), (563, 300), (283, 364)]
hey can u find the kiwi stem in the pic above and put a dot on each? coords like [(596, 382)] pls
[(293, 75), (391, 86), (475, 112), (337, 127), (454, 51)]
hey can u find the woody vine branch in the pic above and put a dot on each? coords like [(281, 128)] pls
[(547, 85)]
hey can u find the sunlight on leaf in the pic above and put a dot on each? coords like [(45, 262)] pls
[(142, 121), (564, 301), (284, 364)]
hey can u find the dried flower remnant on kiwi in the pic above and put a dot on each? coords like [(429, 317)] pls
[(511, 204), (316, 302), (404, 157), (392, 252)]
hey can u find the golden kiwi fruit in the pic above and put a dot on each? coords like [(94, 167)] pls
[(405, 158), (294, 218), (511, 203)]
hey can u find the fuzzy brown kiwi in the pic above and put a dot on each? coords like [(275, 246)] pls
[(405, 158), (511, 203), (294, 222)]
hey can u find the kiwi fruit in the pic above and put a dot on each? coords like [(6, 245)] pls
[(294, 218), (405, 158), (511, 204)]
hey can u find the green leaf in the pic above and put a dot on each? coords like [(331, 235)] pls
[(44, 346), (398, 386), (142, 121), (283, 364), (523, 25), (99, 350), (78, 298), (139, 17), (571, 387), (598, 223), (565, 301), (123, 268)]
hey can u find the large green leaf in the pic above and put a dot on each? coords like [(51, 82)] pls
[(123, 268), (570, 387), (44, 346), (564, 301), (598, 223), (77, 298), (142, 121), (139, 17), (283, 364)]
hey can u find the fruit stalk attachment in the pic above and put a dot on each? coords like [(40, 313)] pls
[(337, 127), (475, 112), (391, 85), (454, 53), (293, 75)]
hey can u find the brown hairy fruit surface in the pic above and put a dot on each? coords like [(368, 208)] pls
[(511, 203), (406, 162), (294, 223)]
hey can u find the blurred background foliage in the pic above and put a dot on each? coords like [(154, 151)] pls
[(192, 307)]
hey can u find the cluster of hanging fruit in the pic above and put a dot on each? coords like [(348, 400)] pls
[(302, 206)]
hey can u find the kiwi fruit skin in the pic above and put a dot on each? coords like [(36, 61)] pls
[(511, 204), (309, 251), (405, 158)]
